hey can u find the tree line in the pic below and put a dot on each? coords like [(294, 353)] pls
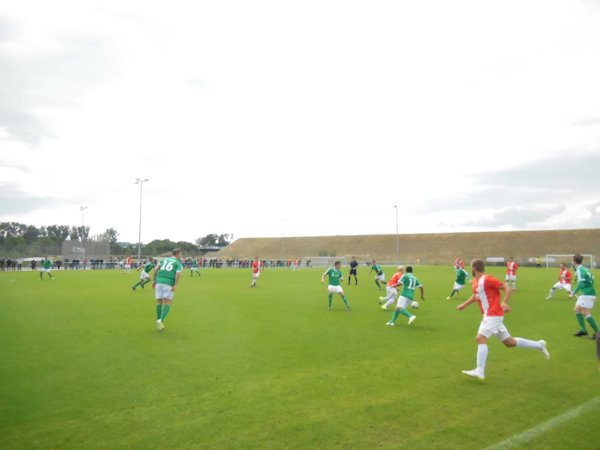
[(18, 239)]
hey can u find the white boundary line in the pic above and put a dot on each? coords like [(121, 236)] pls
[(528, 435)]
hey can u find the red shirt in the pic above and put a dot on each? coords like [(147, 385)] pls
[(565, 276), (256, 265), (394, 281), (511, 268), (487, 292)]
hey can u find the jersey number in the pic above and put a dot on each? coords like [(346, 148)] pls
[(167, 265), (411, 284)]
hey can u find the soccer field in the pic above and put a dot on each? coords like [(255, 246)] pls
[(83, 365)]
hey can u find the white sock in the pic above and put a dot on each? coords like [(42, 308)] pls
[(551, 293), (390, 302), (482, 352), (526, 343)]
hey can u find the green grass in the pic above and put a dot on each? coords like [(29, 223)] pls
[(83, 365)]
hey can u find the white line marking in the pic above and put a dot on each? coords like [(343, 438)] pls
[(528, 435)]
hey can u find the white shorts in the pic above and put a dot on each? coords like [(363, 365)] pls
[(494, 326), (586, 301), (45, 270), (392, 292), (194, 268), (335, 289), (380, 277), (144, 275), (458, 287), (511, 278), (163, 291), (127, 266), (256, 275), (403, 302), (565, 286)]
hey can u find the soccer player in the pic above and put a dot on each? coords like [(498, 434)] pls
[(296, 265), (145, 275), (461, 273), (391, 288), (410, 283), (564, 281), (257, 267), (127, 266), (46, 268), (458, 260), (353, 266), (511, 272), (166, 278), (585, 302), (380, 276), (486, 291), (194, 268), (334, 287)]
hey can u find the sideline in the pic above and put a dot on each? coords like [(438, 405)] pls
[(528, 435)]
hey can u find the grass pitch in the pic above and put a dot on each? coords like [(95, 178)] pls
[(83, 366)]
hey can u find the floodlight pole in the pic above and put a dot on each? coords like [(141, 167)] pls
[(82, 209), (397, 249), (141, 183)]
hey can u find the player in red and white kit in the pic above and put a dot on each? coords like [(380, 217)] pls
[(458, 260), (296, 264), (564, 281), (511, 273), (486, 291), (257, 267), (127, 265)]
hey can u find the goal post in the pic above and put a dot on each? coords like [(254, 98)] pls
[(554, 260)]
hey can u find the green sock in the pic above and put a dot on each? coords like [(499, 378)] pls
[(145, 282), (405, 312), (346, 301), (136, 285), (395, 316), (330, 298), (581, 321), (165, 311), (40, 275), (592, 323), (453, 292), (158, 311), (377, 283)]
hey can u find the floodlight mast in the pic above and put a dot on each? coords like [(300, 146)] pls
[(397, 250), (141, 183)]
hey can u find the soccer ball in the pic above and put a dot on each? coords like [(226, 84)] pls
[(415, 304)]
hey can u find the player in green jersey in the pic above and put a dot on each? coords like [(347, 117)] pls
[(145, 275), (409, 283), (461, 274), (334, 287), (166, 278), (46, 268), (585, 302), (194, 268), (380, 276)]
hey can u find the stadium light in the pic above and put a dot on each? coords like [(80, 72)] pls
[(141, 183), (397, 250)]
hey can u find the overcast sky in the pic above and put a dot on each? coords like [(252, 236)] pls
[(270, 118)]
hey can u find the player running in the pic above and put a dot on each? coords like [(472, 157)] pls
[(127, 265), (410, 283), (353, 266), (461, 274), (46, 268), (486, 291), (166, 279), (391, 288), (257, 267), (511, 272), (334, 287), (145, 275), (585, 302), (194, 268), (564, 281), (380, 276)]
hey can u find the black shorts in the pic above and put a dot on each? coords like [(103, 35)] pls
[(353, 272)]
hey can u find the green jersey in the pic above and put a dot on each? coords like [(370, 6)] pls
[(169, 267), (409, 282), (377, 269), (334, 276), (585, 282), (460, 276), (148, 267), (194, 263), (47, 264)]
